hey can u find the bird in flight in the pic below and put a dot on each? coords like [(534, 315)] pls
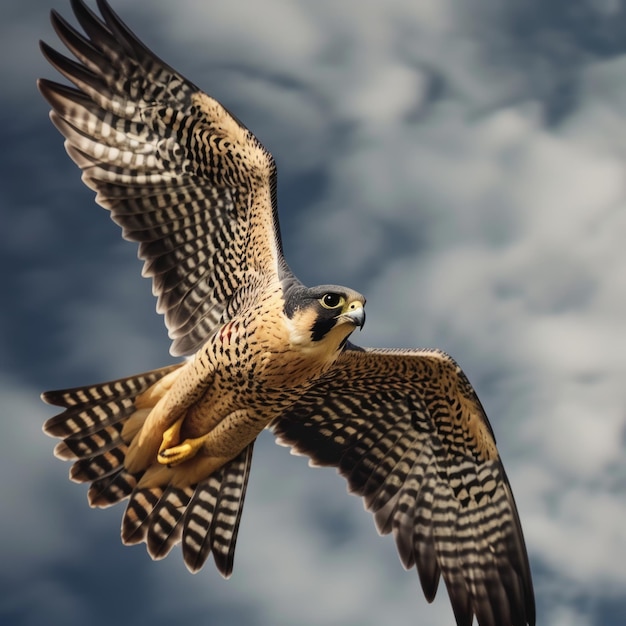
[(188, 182)]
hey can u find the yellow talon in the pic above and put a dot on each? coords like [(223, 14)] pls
[(173, 455), (171, 437)]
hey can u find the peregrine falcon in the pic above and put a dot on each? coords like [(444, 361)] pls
[(192, 185)]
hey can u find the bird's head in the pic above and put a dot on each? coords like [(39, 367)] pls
[(323, 316)]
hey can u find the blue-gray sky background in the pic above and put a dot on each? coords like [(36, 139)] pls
[(460, 162)]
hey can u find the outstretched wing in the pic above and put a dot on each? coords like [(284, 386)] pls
[(407, 431), (180, 175)]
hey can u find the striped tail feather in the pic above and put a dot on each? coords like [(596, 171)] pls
[(205, 516), (94, 428), (92, 423), (212, 521)]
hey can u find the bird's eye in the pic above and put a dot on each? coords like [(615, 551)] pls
[(332, 300)]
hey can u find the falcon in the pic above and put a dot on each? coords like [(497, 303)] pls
[(188, 182)]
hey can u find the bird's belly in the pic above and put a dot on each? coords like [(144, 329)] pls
[(250, 397)]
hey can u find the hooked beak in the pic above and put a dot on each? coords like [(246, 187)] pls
[(355, 314)]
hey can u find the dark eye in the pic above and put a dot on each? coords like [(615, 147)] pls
[(332, 300)]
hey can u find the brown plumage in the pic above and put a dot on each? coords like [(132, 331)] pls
[(196, 190)]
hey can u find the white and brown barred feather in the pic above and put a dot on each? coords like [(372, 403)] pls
[(406, 430), (204, 517), (181, 176)]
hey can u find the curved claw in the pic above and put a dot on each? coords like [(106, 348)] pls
[(185, 450)]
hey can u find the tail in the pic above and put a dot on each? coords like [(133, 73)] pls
[(96, 428)]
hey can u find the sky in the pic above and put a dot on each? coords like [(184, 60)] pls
[(461, 163)]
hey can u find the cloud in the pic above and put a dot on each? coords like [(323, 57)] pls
[(461, 163)]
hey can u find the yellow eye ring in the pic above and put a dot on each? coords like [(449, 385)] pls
[(332, 300)]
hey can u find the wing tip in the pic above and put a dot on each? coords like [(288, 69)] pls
[(54, 397)]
